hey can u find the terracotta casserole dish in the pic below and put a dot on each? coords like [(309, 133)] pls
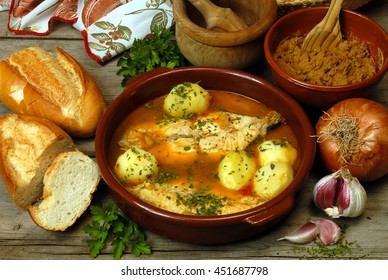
[(205, 229)]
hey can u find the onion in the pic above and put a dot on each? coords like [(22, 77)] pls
[(354, 134)]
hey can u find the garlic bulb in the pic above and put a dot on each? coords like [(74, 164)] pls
[(328, 231), (340, 195)]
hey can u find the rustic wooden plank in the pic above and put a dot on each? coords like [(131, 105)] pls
[(20, 238)]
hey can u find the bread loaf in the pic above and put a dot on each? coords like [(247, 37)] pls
[(34, 82), (28, 145), (44, 171), (69, 184)]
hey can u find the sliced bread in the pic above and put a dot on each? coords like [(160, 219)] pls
[(28, 145), (69, 184)]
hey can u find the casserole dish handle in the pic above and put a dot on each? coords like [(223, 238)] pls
[(275, 213)]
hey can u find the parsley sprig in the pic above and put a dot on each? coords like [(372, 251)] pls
[(108, 225), (156, 50)]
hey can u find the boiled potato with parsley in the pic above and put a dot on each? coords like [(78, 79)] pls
[(136, 165), (236, 170), (187, 99), (278, 150), (272, 178)]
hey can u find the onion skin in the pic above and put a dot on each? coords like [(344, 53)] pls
[(371, 160)]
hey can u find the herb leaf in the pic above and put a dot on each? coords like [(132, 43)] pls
[(204, 204), (108, 225), (156, 50), (165, 176)]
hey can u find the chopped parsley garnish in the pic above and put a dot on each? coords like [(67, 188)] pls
[(276, 142), (280, 142), (343, 249), (148, 105), (204, 204), (165, 176)]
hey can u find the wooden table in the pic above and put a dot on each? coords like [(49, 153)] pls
[(20, 238)]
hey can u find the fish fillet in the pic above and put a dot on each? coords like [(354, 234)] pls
[(216, 132), (174, 198)]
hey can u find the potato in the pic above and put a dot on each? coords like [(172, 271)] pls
[(276, 150), (187, 99), (272, 178), (135, 166), (236, 170)]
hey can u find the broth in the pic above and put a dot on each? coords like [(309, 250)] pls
[(201, 168)]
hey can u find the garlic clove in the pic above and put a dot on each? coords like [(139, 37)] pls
[(325, 190), (357, 199), (303, 234), (343, 198), (342, 201), (329, 231), (340, 195)]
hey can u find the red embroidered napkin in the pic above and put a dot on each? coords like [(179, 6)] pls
[(108, 27)]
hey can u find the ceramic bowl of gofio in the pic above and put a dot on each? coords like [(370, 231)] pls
[(354, 27), (288, 6), (193, 228), (214, 47)]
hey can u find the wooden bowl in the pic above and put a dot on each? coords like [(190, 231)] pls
[(205, 229), (239, 49), (353, 25)]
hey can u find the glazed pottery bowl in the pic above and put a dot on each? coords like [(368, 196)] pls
[(237, 49), (353, 26), (204, 229)]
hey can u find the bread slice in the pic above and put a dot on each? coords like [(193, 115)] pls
[(69, 184), (58, 88), (28, 145)]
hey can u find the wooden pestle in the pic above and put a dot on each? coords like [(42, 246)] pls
[(219, 18)]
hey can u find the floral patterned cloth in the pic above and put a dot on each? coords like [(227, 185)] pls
[(108, 27)]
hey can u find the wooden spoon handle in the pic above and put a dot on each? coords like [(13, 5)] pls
[(326, 33), (332, 15), (334, 38)]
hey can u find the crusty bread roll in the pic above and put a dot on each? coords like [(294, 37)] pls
[(34, 82), (28, 145), (69, 184), (44, 171)]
